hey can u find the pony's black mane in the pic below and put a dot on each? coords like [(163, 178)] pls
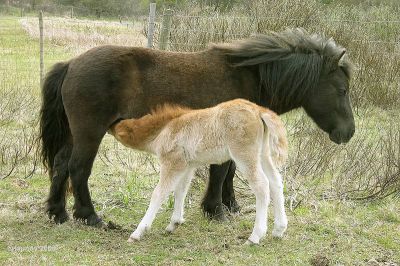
[(290, 62)]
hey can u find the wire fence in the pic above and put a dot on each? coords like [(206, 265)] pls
[(67, 36)]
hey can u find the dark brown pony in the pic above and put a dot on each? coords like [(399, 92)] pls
[(83, 97)]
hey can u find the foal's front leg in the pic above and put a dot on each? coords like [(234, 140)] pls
[(167, 183), (180, 192)]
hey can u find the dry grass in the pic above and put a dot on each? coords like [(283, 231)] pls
[(79, 35)]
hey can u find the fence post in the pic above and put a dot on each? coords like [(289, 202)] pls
[(165, 29), (41, 47), (72, 12), (150, 32), (22, 11)]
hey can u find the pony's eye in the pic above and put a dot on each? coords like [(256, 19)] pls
[(342, 92)]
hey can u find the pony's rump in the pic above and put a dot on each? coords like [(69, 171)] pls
[(54, 127)]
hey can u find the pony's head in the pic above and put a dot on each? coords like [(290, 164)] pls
[(328, 103), (298, 69)]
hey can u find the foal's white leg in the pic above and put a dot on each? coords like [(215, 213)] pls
[(276, 187), (180, 192), (260, 186), (165, 186)]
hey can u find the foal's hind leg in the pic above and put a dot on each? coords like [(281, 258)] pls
[(60, 173), (80, 165), (276, 187), (180, 192), (259, 184)]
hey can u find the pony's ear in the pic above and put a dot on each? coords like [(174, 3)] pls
[(332, 63), (339, 57)]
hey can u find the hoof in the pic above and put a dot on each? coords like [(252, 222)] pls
[(219, 217), (95, 221), (135, 236), (172, 226), (59, 218), (57, 213), (232, 206), (214, 212), (132, 240), (90, 219), (277, 232), (251, 243)]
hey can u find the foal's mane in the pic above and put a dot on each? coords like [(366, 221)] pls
[(164, 113), (159, 117), (290, 62), (138, 131)]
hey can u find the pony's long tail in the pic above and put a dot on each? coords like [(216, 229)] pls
[(276, 137), (54, 127)]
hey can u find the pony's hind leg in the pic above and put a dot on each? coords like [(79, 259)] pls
[(60, 173), (80, 165), (228, 194), (169, 178), (180, 192), (276, 187), (212, 202)]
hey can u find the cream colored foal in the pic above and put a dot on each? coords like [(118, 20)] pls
[(183, 139)]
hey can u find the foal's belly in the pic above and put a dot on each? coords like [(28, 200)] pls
[(213, 156)]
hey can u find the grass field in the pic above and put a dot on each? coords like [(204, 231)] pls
[(323, 227), (346, 233)]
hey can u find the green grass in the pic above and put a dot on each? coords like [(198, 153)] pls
[(346, 233)]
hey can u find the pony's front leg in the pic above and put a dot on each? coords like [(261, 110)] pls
[(179, 201)]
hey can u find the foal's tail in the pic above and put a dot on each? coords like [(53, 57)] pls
[(54, 127), (276, 137)]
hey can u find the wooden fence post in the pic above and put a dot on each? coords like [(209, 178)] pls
[(150, 32), (41, 47), (165, 29), (72, 12)]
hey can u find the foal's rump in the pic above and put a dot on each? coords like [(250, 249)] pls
[(275, 138)]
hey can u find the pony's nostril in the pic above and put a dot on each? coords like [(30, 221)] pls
[(351, 134)]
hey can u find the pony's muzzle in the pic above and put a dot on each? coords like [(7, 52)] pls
[(340, 136)]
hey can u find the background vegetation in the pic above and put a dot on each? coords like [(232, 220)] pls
[(323, 180)]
